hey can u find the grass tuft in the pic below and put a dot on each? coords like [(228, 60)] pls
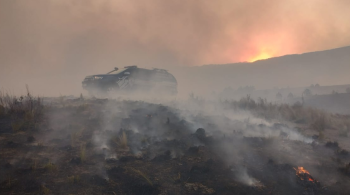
[(144, 176), (82, 152), (45, 190), (122, 141), (50, 167), (74, 179), (25, 111), (9, 181), (34, 166)]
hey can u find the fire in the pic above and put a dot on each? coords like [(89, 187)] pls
[(303, 174), (261, 56), (266, 45)]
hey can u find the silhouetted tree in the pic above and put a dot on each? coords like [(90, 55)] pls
[(290, 95), (279, 95), (246, 89), (307, 92)]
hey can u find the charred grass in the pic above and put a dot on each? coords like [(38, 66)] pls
[(88, 149)]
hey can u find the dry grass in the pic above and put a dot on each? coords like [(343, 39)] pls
[(50, 167), (74, 179), (122, 141), (9, 181), (45, 190), (34, 166), (347, 168), (73, 138), (82, 153), (343, 134), (297, 113), (177, 177), (25, 111), (144, 176), (321, 135), (2, 110)]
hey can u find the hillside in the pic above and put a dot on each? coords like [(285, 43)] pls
[(330, 67)]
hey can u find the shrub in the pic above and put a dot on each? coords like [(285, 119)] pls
[(319, 122), (343, 134), (2, 110), (333, 145), (16, 126), (321, 135), (347, 168)]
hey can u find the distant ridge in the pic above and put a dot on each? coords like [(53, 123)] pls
[(336, 51), (328, 67)]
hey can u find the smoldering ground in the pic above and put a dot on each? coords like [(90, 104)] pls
[(155, 146), (190, 144)]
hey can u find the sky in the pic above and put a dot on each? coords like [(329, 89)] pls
[(50, 42)]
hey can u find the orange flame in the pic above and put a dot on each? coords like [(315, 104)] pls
[(261, 56), (267, 45), (302, 173)]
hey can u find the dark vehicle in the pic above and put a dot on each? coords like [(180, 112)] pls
[(132, 79)]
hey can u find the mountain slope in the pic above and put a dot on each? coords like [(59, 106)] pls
[(328, 67)]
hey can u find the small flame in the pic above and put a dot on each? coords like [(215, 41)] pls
[(303, 174)]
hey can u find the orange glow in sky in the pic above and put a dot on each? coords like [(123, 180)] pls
[(267, 45), (260, 56), (260, 52)]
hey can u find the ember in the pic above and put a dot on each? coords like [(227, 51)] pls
[(303, 174)]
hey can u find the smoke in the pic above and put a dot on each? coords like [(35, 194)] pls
[(51, 45), (157, 130), (243, 177)]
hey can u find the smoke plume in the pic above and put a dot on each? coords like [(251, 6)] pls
[(52, 44)]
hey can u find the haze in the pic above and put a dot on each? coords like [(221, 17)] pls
[(51, 45), (255, 99)]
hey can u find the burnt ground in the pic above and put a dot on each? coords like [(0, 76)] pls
[(133, 147)]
